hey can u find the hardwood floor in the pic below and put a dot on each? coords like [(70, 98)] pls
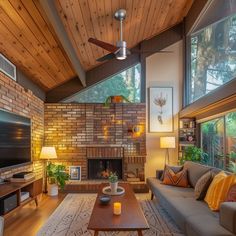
[(28, 220)]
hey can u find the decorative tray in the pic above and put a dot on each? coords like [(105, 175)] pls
[(107, 190)]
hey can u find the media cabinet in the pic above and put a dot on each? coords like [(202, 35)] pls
[(34, 187)]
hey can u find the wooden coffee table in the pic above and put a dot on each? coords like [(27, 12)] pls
[(131, 218)]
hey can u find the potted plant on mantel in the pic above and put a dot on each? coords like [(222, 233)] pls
[(57, 176), (113, 180)]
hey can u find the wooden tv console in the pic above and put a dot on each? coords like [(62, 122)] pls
[(34, 187)]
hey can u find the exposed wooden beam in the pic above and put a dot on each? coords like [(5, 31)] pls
[(203, 104), (58, 26), (65, 90), (114, 66), (195, 13)]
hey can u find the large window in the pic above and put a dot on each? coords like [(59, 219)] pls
[(218, 140), (126, 83), (213, 58)]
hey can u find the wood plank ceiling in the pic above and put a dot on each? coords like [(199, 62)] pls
[(28, 39), (94, 18)]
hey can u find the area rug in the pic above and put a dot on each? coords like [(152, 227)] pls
[(72, 216)]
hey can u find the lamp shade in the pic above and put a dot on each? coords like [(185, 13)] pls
[(48, 153), (167, 142)]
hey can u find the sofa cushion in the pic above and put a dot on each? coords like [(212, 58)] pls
[(195, 171), (205, 225), (174, 168), (158, 188), (202, 185), (179, 179), (228, 216), (218, 190)]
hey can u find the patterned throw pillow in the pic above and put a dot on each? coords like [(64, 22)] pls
[(217, 192), (174, 168), (231, 195), (179, 179), (202, 185)]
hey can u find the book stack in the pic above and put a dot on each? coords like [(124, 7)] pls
[(23, 177)]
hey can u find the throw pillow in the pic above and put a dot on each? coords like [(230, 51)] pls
[(179, 179), (217, 192), (202, 185), (231, 195), (174, 168)]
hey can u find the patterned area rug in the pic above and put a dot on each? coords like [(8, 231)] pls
[(72, 216)]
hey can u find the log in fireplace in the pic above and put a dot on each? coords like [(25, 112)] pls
[(100, 168)]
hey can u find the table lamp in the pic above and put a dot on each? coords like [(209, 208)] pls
[(167, 142), (47, 153)]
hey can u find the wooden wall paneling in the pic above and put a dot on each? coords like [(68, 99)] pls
[(114, 22), (145, 15), (70, 25), (79, 29), (89, 26), (34, 20), (54, 43), (39, 52), (95, 25), (15, 48), (138, 22)]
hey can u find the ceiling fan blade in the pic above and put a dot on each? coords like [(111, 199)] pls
[(107, 46), (106, 57)]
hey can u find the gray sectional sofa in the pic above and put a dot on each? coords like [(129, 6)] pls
[(192, 216)]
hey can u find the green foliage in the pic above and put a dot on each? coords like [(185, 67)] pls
[(57, 174), (113, 178), (195, 154), (212, 57), (126, 83), (232, 167)]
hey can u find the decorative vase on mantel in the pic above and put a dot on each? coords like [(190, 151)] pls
[(113, 180)]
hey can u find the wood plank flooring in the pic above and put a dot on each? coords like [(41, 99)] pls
[(29, 219)]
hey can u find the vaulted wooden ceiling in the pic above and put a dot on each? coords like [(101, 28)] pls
[(94, 18), (28, 39)]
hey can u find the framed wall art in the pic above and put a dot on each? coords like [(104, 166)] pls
[(161, 109), (75, 172)]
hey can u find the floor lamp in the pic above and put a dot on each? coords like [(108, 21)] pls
[(47, 153), (167, 142)]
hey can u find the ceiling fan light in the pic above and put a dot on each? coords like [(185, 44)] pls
[(121, 57)]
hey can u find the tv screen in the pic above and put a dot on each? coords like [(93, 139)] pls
[(15, 139)]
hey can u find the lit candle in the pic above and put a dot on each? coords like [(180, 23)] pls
[(117, 208)]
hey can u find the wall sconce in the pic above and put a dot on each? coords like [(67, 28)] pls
[(135, 130)]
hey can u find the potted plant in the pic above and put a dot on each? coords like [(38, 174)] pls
[(113, 180), (56, 177), (115, 99), (195, 154)]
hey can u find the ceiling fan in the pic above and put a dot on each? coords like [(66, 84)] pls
[(120, 51)]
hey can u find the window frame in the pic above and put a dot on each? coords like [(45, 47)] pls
[(225, 143), (204, 20)]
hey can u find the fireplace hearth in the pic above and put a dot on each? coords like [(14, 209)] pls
[(101, 168)]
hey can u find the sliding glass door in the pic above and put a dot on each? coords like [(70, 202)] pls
[(218, 140), (212, 141)]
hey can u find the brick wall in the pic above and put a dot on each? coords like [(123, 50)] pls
[(16, 99), (73, 128)]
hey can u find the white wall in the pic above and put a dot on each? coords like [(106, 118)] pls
[(164, 69)]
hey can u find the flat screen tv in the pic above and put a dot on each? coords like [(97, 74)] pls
[(15, 139)]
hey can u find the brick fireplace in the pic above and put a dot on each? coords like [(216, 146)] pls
[(87, 133)]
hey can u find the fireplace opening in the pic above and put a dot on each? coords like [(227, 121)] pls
[(101, 168)]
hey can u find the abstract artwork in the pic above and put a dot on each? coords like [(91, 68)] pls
[(161, 109)]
